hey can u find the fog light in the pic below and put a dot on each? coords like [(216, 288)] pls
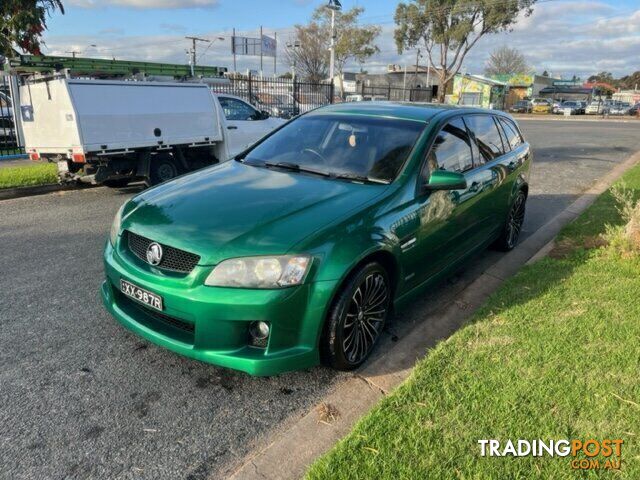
[(258, 334)]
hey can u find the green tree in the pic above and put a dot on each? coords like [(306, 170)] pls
[(604, 77), (22, 23), (449, 29), (353, 41), (506, 61)]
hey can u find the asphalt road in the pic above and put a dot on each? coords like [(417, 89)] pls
[(81, 397)]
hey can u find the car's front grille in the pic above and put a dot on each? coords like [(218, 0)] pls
[(172, 258)]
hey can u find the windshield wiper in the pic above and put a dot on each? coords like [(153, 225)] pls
[(354, 177), (358, 178), (294, 167)]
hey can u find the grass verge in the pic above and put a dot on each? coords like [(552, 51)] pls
[(553, 354), (28, 175)]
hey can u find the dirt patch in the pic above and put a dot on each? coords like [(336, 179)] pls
[(595, 241), (327, 413), (562, 249)]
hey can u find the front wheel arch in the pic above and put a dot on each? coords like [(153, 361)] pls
[(386, 259), (331, 344)]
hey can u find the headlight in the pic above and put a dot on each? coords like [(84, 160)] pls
[(260, 272), (115, 227)]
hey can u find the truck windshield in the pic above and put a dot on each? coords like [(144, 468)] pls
[(340, 145)]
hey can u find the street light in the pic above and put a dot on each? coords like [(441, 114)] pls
[(334, 6), (293, 47)]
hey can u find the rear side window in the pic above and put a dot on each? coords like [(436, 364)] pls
[(513, 136), (487, 136), (236, 109), (451, 149)]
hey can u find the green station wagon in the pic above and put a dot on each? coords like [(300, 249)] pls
[(297, 251)]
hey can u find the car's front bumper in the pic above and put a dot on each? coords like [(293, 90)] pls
[(211, 323)]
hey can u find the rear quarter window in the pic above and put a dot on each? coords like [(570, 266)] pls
[(487, 135), (513, 137)]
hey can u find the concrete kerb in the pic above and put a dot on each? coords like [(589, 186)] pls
[(290, 452), (18, 192)]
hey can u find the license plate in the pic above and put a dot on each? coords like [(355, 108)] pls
[(141, 295)]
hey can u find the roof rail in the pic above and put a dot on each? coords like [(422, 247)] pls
[(102, 68)]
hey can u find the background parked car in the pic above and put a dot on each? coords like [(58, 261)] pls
[(541, 105), (596, 107), (278, 105), (620, 108), (522, 106), (556, 107), (574, 108), (608, 104), (634, 110)]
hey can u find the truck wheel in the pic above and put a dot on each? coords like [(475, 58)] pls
[(163, 168), (119, 183)]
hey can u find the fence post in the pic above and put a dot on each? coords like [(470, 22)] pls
[(331, 91), (296, 97), (250, 88)]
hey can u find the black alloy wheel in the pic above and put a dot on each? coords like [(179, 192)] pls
[(513, 227), (357, 318)]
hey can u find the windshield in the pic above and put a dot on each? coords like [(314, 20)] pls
[(340, 145)]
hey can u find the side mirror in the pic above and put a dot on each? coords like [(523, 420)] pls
[(264, 115), (444, 180)]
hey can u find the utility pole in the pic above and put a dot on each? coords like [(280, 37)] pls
[(275, 53), (404, 83), (233, 50), (261, 51), (293, 47), (74, 53), (334, 6), (193, 52)]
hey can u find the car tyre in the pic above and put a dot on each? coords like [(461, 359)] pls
[(513, 226), (163, 168), (357, 318)]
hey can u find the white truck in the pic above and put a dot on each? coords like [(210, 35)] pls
[(115, 132)]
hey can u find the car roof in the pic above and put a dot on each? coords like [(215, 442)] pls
[(415, 111)]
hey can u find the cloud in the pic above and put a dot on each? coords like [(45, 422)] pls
[(173, 27), (581, 38), (144, 4), (112, 31)]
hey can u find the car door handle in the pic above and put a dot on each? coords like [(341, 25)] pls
[(232, 127)]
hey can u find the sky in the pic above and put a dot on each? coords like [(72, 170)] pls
[(564, 37)]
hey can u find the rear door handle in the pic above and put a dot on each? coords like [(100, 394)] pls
[(231, 127)]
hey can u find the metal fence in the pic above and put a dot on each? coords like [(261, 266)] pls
[(286, 98), (395, 93), (281, 97), (9, 143)]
